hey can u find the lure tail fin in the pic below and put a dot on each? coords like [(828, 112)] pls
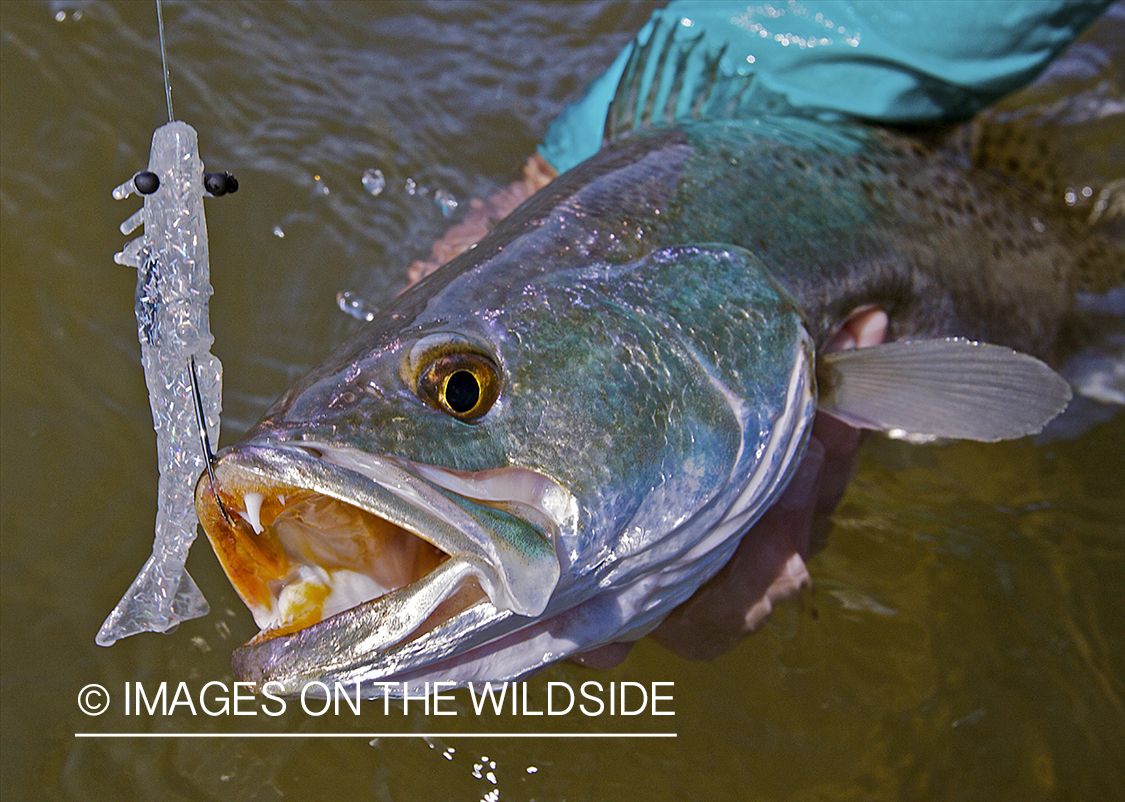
[(145, 607)]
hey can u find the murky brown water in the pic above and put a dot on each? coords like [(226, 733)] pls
[(964, 638)]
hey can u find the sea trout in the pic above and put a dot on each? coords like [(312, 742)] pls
[(554, 440)]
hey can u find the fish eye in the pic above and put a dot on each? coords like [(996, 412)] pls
[(462, 385)]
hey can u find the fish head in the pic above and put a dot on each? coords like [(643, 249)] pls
[(509, 466)]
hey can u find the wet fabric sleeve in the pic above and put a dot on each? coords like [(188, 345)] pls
[(892, 61)]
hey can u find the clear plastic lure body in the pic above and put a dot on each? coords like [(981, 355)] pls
[(173, 289)]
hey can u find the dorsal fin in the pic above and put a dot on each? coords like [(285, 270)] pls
[(671, 77)]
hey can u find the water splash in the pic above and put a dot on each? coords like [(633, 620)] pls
[(374, 181), (352, 304), (446, 202)]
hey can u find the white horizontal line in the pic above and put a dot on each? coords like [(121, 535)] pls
[(375, 735)]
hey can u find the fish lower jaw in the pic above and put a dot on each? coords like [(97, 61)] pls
[(312, 597)]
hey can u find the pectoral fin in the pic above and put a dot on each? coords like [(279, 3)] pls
[(948, 388)]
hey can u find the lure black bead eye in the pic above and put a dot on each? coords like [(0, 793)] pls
[(220, 183), (146, 182), (462, 385)]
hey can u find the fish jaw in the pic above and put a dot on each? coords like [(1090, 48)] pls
[(310, 534)]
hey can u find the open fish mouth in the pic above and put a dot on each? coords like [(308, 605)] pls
[(308, 531)]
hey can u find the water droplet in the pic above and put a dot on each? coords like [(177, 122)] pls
[(446, 202), (532, 770), (374, 181), (971, 718), (352, 304), (60, 16)]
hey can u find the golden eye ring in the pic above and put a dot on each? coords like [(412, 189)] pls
[(462, 385)]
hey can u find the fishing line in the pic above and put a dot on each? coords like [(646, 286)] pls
[(164, 58)]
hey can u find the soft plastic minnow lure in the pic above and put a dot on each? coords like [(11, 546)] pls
[(184, 380), (171, 306)]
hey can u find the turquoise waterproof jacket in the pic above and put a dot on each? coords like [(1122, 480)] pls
[(892, 61)]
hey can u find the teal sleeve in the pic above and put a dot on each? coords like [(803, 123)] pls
[(893, 61)]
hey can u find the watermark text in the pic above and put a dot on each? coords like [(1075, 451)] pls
[(217, 698)]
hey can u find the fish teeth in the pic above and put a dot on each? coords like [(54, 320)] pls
[(253, 502)]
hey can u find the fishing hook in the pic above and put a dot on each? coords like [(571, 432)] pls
[(207, 453)]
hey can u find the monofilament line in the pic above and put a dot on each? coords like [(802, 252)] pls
[(164, 59)]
